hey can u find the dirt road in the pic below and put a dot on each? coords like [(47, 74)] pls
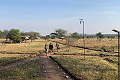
[(51, 71)]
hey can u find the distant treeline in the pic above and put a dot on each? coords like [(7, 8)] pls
[(60, 33), (104, 35), (15, 35)]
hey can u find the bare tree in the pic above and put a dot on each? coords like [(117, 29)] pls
[(70, 42)]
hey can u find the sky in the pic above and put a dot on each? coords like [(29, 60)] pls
[(44, 16)]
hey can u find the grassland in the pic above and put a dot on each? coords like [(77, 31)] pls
[(28, 47), (92, 68), (77, 51), (112, 60), (96, 44), (10, 53), (28, 71), (8, 59), (80, 51), (36, 47)]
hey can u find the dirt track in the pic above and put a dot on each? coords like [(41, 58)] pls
[(51, 71)]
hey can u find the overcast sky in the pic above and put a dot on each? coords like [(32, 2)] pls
[(46, 15)]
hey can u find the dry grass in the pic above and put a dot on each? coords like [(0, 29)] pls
[(23, 47), (92, 68), (9, 55), (94, 43), (30, 47), (27, 71), (79, 51)]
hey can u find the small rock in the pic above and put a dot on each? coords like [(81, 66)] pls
[(66, 76), (40, 60), (44, 71)]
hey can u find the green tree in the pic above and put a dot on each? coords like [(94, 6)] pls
[(53, 35), (14, 35), (112, 36), (48, 36), (34, 35), (6, 34), (60, 32), (1, 34), (23, 33), (75, 35), (100, 35)]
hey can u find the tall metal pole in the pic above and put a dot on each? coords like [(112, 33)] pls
[(118, 56), (118, 52), (83, 40), (83, 37)]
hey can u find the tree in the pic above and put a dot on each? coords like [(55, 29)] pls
[(99, 35), (6, 34), (75, 35), (60, 32), (1, 34), (14, 35), (34, 35), (53, 35), (112, 36), (70, 42), (23, 33), (48, 36), (44, 37)]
